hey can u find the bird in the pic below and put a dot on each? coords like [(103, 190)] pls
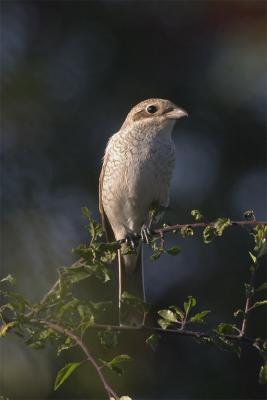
[(136, 173)]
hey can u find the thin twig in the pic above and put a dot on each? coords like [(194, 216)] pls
[(90, 358), (205, 224), (249, 295), (171, 228), (182, 332)]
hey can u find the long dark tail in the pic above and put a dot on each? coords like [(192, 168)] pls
[(131, 280)]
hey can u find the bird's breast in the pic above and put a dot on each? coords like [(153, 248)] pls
[(137, 173)]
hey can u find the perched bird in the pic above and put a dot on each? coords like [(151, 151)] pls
[(136, 172)]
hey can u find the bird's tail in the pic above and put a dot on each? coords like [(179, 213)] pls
[(131, 288)]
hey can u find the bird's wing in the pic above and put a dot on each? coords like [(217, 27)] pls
[(105, 222)]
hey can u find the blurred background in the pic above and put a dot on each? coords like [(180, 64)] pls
[(70, 72)]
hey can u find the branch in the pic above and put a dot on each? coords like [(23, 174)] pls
[(171, 228), (89, 357), (160, 232), (249, 295), (182, 332), (205, 224)]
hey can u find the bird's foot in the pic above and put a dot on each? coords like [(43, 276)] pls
[(131, 240), (146, 234)]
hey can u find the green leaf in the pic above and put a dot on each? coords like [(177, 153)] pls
[(263, 374), (94, 228), (190, 303), (263, 250), (86, 213), (253, 258), (263, 286), (173, 250), (108, 338), (114, 363), (9, 279), (65, 373), (225, 329), (163, 323), (237, 312), (5, 328), (153, 341), (125, 398), (68, 344), (156, 254), (167, 315), (208, 234), (102, 305), (227, 344), (258, 304), (134, 301), (221, 224), (119, 359), (260, 234), (178, 311), (199, 317), (130, 298), (197, 215), (187, 231)]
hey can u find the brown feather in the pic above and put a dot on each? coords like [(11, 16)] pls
[(110, 237)]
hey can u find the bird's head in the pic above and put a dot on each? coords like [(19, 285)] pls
[(153, 115)]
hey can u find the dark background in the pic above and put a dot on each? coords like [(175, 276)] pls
[(70, 72)]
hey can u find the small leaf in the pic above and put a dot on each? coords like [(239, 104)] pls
[(167, 315), (237, 312), (68, 344), (153, 341), (258, 304), (208, 234), (113, 364), (86, 213), (163, 323), (263, 249), (263, 286), (119, 359), (9, 279), (263, 374), (178, 311), (108, 338), (199, 317), (173, 250), (5, 327), (249, 214), (197, 215), (221, 224), (187, 231), (156, 254), (253, 258), (190, 303), (125, 398), (225, 328), (65, 373)]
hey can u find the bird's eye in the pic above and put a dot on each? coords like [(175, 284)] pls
[(151, 109)]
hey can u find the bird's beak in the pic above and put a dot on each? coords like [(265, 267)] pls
[(176, 113)]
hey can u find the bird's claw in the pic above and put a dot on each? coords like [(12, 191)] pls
[(131, 240), (146, 234)]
